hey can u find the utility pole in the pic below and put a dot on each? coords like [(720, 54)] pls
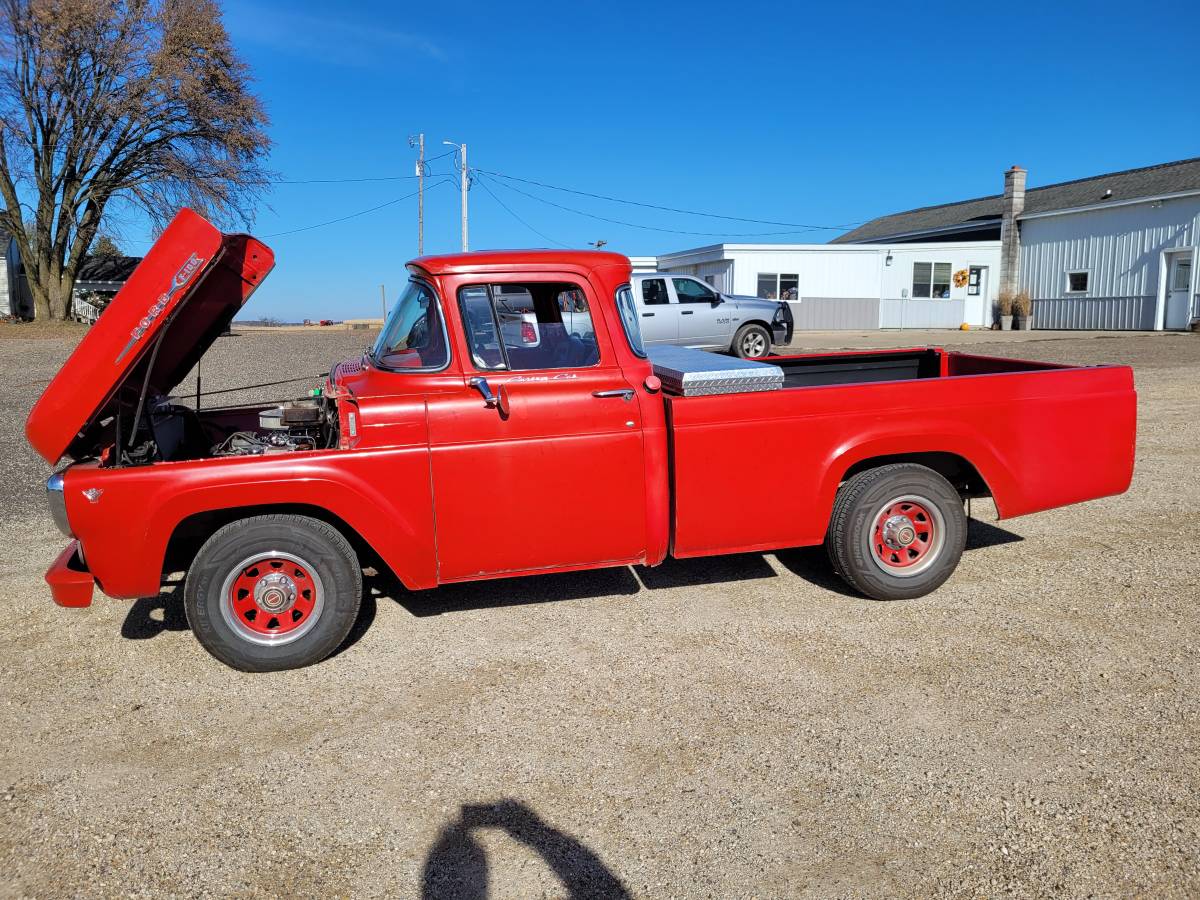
[(464, 183), (383, 300), (420, 145)]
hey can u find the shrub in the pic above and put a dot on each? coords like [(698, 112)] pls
[(1005, 302), (1023, 304)]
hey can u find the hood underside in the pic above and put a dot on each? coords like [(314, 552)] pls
[(177, 301)]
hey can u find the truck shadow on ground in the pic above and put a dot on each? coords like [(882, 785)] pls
[(457, 865), (151, 616)]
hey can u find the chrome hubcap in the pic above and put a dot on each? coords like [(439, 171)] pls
[(275, 592), (753, 345), (899, 532)]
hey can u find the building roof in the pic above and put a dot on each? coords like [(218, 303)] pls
[(111, 269), (984, 212)]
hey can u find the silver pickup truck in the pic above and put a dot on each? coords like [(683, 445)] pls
[(678, 309)]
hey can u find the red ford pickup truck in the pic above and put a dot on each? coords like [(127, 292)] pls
[(508, 421)]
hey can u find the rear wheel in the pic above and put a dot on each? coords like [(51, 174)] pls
[(273, 592), (752, 342), (897, 531)]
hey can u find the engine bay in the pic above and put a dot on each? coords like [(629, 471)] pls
[(170, 431)]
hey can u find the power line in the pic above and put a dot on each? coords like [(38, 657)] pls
[(689, 212), (546, 237), (354, 215), (363, 179), (589, 215)]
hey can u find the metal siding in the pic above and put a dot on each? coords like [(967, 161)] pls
[(835, 313), (1122, 247), (922, 313), (1097, 314)]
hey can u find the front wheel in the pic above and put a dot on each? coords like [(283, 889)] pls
[(273, 592), (752, 342), (897, 531)]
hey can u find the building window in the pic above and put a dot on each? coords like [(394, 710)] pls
[(1182, 279), (1077, 281), (931, 280), (774, 286)]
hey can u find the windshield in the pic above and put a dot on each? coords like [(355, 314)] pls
[(629, 320), (413, 336)]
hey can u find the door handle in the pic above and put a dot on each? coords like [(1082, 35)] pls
[(625, 394), (687, 312), (647, 315)]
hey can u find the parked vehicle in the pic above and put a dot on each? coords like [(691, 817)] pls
[(685, 311), (455, 450)]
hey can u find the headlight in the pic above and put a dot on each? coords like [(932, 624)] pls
[(58, 502), (781, 315)]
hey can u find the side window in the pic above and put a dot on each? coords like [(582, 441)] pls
[(768, 286), (690, 291), (654, 291), (531, 325)]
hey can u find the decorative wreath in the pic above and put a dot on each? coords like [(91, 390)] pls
[(960, 278)]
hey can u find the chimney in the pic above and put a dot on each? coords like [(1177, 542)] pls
[(1010, 234)]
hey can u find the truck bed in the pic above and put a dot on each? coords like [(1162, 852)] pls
[(759, 471)]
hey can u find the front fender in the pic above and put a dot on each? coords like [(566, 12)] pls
[(383, 495)]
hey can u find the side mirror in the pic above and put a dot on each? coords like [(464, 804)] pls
[(717, 300)]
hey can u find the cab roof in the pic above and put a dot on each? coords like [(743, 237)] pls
[(510, 260)]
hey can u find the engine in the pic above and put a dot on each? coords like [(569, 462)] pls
[(296, 425)]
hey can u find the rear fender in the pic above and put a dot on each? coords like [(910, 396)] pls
[(994, 471)]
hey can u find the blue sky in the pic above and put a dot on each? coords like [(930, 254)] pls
[(826, 115)]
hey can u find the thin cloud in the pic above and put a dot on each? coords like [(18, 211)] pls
[(326, 39)]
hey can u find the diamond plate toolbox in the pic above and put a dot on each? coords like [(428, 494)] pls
[(698, 373)]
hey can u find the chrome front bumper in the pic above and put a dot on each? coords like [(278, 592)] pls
[(57, 502)]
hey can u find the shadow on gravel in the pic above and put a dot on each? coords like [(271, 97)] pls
[(812, 564), (151, 616), (457, 865), (493, 594), (982, 534)]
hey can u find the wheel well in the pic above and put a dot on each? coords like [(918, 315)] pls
[(758, 322), (958, 470), (191, 533)]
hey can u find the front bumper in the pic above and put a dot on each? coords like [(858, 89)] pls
[(781, 331), (71, 584)]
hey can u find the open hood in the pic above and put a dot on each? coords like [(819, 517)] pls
[(177, 301)]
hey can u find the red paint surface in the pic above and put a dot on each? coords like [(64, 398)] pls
[(445, 489), (202, 299), (70, 582)]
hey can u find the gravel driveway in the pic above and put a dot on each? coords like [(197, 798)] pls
[(728, 727)]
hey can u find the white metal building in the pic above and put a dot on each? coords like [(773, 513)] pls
[(1115, 251), (855, 286)]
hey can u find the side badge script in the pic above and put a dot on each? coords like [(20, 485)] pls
[(182, 277)]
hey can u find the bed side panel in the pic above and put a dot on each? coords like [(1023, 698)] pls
[(756, 471)]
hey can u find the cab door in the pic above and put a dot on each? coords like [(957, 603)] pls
[(703, 318), (659, 317), (537, 461)]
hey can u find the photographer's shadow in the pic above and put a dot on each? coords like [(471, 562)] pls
[(457, 867)]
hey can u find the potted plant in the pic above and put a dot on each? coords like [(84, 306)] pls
[(1004, 303), (1023, 307)]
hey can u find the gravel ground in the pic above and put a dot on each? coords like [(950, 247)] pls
[(722, 728)]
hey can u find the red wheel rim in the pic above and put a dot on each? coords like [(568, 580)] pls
[(273, 596), (905, 534)]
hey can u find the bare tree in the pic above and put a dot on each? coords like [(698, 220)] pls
[(137, 101)]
